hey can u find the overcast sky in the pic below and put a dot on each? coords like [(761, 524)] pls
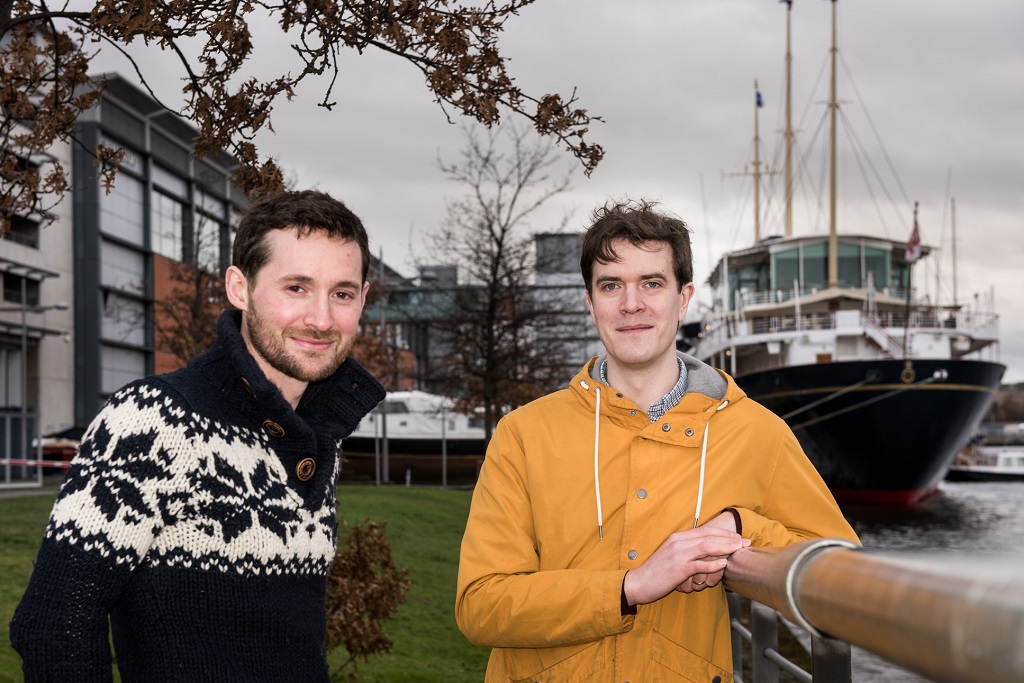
[(941, 82)]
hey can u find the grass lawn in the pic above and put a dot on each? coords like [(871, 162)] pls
[(424, 528)]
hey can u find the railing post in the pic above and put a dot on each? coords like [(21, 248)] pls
[(831, 661), (735, 612), (764, 627)]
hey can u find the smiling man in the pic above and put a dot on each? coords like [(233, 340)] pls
[(605, 513), (198, 518)]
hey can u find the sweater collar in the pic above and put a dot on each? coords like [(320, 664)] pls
[(340, 400)]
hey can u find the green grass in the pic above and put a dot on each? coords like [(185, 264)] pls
[(424, 528), (22, 521)]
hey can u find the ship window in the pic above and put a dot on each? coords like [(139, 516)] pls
[(787, 269), (876, 262), (848, 257), (900, 273), (815, 266), (751, 281), (397, 407)]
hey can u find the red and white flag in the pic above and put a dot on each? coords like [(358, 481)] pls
[(913, 251)]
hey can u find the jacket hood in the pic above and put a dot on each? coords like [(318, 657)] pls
[(707, 391)]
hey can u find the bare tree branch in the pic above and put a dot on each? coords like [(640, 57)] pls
[(46, 85)]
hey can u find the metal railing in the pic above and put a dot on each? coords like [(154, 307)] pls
[(951, 618)]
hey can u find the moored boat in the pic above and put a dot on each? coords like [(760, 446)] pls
[(415, 435), (989, 463)]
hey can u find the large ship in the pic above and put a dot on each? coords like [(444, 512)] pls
[(882, 387)]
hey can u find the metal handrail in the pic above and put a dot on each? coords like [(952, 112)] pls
[(952, 618)]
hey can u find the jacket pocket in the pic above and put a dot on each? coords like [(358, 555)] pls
[(679, 664), (574, 664)]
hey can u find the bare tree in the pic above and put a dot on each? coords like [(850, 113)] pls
[(504, 339), (45, 53)]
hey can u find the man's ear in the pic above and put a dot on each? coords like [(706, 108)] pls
[(687, 296), (237, 287), (590, 307)]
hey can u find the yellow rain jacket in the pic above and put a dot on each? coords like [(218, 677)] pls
[(539, 584)]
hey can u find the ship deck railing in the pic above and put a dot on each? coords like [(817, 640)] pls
[(946, 616), (978, 325)]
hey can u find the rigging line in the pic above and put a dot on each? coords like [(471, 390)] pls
[(834, 395), (878, 138), (860, 159), (856, 143), (841, 411)]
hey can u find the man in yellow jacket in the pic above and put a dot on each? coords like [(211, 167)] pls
[(605, 513)]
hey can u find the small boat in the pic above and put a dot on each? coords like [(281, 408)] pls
[(989, 463), (415, 437)]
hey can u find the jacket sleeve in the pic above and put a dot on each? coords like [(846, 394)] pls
[(797, 504), (103, 521), (505, 598)]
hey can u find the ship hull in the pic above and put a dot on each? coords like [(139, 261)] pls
[(886, 441)]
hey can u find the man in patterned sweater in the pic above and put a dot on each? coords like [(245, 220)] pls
[(199, 515)]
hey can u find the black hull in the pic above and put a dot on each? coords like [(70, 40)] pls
[(418, 461), (889, 441)]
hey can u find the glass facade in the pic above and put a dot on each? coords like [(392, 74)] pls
[(167, 229), (123, 210), (119, 367), (805, 265), (163, 207)]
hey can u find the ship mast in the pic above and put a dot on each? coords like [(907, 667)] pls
[(833, 240), (757, 165), (789, 123)]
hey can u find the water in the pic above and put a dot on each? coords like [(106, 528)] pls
[(962, 517)]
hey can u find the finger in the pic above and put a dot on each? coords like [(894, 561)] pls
[(719, 547), (707, 532), (698, 581), (715, 578), (707, 565)]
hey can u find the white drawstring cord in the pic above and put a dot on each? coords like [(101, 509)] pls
[(597, 474), (703, 461)]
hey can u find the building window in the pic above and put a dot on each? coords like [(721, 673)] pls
[(13, 289), (120, 366), (122, 268), (124, 319), (23, 231), (167, 226), (122, 210), (207, 244)]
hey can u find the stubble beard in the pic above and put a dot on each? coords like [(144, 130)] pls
[(269, 343)]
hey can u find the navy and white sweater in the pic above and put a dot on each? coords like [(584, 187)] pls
[(193, 519)]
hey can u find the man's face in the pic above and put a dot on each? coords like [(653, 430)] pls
[(637, 305), (301, 310)]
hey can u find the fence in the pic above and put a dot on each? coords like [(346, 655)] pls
[(951, 618)]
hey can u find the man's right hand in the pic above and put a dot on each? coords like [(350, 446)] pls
[(703, 550)]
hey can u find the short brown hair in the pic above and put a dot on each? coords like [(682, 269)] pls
[(308, 211), (635, 221)]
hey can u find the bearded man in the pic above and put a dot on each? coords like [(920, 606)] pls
[(198, 519)]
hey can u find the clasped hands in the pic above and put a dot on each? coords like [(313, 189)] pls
[(688, 561)]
